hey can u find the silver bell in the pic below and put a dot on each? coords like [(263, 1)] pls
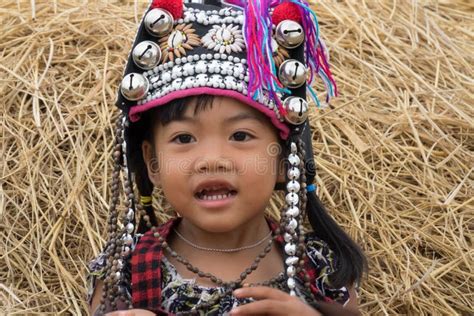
[(296, 110), (159, 22), (146, 55), (134, 86), (289, 34), (292, 73)]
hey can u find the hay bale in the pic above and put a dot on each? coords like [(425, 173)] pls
[(394, 154)]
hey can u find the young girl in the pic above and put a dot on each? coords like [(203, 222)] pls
[(215, 115)]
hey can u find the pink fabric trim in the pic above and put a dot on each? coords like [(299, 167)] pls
[(137, 109)]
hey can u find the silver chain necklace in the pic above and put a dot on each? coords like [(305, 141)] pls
[(223, 250)]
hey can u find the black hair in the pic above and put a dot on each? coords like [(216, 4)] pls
[(350, 261)]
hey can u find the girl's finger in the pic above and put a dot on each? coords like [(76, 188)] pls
[(261, 292)]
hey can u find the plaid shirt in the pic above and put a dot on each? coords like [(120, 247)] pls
[(146, 270)]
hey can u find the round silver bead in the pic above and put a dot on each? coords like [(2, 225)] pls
[(146, 55), (291, 271), (128, 240), (134, 86), (292, 198), (130, 214), (291, 261), (292, 224), (293, 211), (289, 34), (292, 73), (293, 148), (158, 22), (293, 173), (291, 283), (292, 293), (296, 110), (287, 237), (130, 227), (294, 160), (293, 186), (290, 249)]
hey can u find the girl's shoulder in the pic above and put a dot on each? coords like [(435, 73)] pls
[(321, 263)]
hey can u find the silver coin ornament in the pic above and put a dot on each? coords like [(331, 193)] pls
[(289, 34), (130, 227), (159, 22), (146, 55), (296, 110), (293, 173), (293, 211), (290, 249), (292, 198), (128, 240), (294, 160), (134, 86), (292, 73)]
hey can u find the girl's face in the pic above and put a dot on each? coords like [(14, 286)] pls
[(217, 168)]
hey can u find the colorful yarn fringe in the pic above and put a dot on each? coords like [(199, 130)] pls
[(316, 58), (262, 70)]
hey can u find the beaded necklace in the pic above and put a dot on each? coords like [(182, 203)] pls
[(118, 248)]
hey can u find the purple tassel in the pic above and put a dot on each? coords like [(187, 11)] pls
[(258, 34)]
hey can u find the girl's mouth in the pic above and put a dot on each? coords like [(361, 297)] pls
[(215, 195)]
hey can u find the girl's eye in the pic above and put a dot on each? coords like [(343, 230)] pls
[(241, 136), (183, 139)]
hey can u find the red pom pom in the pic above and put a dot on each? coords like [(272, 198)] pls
[(286, 11), (175, 7)]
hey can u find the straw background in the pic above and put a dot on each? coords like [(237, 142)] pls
[(394, 154)]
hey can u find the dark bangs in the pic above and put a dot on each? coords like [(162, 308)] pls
[(174, 110)]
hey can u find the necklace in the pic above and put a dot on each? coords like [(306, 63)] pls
[(223, 250), (229, 286)]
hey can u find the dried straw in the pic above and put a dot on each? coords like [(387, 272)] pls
[(394, 155)]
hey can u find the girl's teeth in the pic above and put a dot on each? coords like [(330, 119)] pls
[(216, 197)]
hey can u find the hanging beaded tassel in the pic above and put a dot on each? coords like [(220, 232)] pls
[(291, 216), (111, 246), (128, 217), (118, 246)]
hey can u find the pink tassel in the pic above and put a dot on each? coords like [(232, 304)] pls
[(262, 70)]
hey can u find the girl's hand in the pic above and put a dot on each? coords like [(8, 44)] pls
[(271, 301)]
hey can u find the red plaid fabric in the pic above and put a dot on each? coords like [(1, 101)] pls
[(146, 270)]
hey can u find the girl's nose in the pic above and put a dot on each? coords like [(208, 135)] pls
[(214, 159)]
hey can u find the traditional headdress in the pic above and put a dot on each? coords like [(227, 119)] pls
[(265, 53)]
